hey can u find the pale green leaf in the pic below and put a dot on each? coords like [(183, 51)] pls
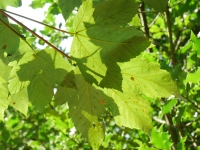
[(145, 77), (67, 6), (40, 72), (130, 109), (9, 41), (159, 5), (19, 101), (3, 98), (102, 39), (13, 3)]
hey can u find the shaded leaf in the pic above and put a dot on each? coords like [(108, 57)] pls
[(19, 101), (40, 72), (3, 98), (67, 6), (196, 43), (159, 5), (9, 41), (101, 40)]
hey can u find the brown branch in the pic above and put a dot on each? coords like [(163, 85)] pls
[(173, 58), (55, 48), (144, 22), (37, 22)]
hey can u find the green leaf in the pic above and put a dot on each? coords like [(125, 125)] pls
[(130, 109), (86, 104), (159, 5), (9, 41), (193, 77), (161, 139), (67, 6), (168, 106), (196, 43), (40, 72), (19, 101), (145, 77), (3, 98), (13, 3), (102, 39)]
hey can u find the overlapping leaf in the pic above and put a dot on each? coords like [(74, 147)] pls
[(14, 3), (102, 38), (7, 36), (67, 6), (159, 5), (86, 104), (3, 98), (130, 109), (40, 72)]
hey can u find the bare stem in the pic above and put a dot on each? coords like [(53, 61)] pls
[(170, 37), (143, 19), (55, 48), (37, 22)]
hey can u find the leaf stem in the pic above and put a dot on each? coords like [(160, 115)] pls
[(55, 48), (38, 22)]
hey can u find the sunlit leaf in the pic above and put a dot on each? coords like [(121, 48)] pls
[(3, 98), (102, 39), (14, 3)]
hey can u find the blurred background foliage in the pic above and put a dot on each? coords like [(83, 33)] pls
[(176, 122)]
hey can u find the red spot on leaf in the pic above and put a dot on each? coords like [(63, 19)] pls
[(102, 102), (4, 46)]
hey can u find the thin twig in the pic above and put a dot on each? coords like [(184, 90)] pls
[(143, 19), (37, 22), (55, 48), (173, 58)]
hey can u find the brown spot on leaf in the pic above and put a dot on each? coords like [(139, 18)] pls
[(102, 102), (4, 46), (132, 78), (14, 103)]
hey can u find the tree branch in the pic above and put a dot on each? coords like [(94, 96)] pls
[(144, 22), (173, 59), (55, 48)]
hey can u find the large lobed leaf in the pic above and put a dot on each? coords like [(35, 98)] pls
[(86, 104), (39, 72), (102, 37)]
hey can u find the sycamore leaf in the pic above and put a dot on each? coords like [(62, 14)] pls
[(86, 104), (159, 5), (193, 77), (147, 78), (19, 101), (67, 6), (9, 41), (3, 98), (102, 39), (14, 3), (130, 110), (40, 72)]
